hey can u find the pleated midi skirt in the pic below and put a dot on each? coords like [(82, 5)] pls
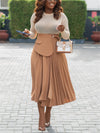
[(51, 82)]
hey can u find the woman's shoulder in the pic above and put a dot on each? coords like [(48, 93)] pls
[(33, 15), (63, 15)]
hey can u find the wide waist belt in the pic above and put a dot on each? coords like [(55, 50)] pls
[(45, 44)]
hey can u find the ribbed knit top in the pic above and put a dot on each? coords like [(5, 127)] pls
[(48, 25)]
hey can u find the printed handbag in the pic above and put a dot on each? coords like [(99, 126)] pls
[(64, 46)]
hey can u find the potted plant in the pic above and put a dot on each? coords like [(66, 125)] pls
[(96, 23), (3, 33)]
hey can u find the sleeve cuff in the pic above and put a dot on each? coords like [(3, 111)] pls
[(65, 34), (31, 36)]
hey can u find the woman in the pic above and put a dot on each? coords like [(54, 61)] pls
[(51, 84)]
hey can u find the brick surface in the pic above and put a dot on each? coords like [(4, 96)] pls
[(18, 114)]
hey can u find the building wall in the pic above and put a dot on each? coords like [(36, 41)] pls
[(93, 5), (88, 26), (4, 4)]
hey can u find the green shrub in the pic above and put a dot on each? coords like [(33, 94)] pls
[(20, 12), (76, 12)]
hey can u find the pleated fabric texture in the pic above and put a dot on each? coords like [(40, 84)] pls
[(51, 83)]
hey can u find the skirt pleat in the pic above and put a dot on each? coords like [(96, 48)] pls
[(51, 82)]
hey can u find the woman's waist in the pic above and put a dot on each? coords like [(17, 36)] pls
[(48, 35)]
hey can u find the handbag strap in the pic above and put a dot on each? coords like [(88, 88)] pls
[(68, 38)]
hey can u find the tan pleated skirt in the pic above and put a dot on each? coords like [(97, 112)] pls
[(51, 83)]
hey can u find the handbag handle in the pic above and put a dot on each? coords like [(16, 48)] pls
[(68, 38)]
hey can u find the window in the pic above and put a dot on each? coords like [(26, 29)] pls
[(3, 4)]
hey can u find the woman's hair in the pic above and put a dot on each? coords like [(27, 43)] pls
[(40, 8)]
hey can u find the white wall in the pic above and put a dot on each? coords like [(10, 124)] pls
[(3, 4), (93, 4)]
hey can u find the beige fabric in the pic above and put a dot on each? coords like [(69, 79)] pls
[(48, 24), (51, 83), (45, 47)]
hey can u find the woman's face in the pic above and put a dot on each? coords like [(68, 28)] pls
[(50, 4)]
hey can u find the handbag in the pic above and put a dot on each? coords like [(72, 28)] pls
[(64, 46)]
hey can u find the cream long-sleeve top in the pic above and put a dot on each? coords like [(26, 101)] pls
[(48, 25)]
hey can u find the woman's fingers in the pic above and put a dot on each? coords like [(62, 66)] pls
[(26, 31), (26, 35), (61, 28)]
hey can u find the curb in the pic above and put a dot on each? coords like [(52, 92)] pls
[(12, 40)]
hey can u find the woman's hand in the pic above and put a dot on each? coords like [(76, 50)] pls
[(26, 31), (61, 28)]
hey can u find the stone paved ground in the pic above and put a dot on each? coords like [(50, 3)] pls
[(18, 114)]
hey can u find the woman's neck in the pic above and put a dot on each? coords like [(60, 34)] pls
[(47, 10)]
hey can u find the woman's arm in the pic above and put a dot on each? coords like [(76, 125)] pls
[(66, 33), (32, 28)]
